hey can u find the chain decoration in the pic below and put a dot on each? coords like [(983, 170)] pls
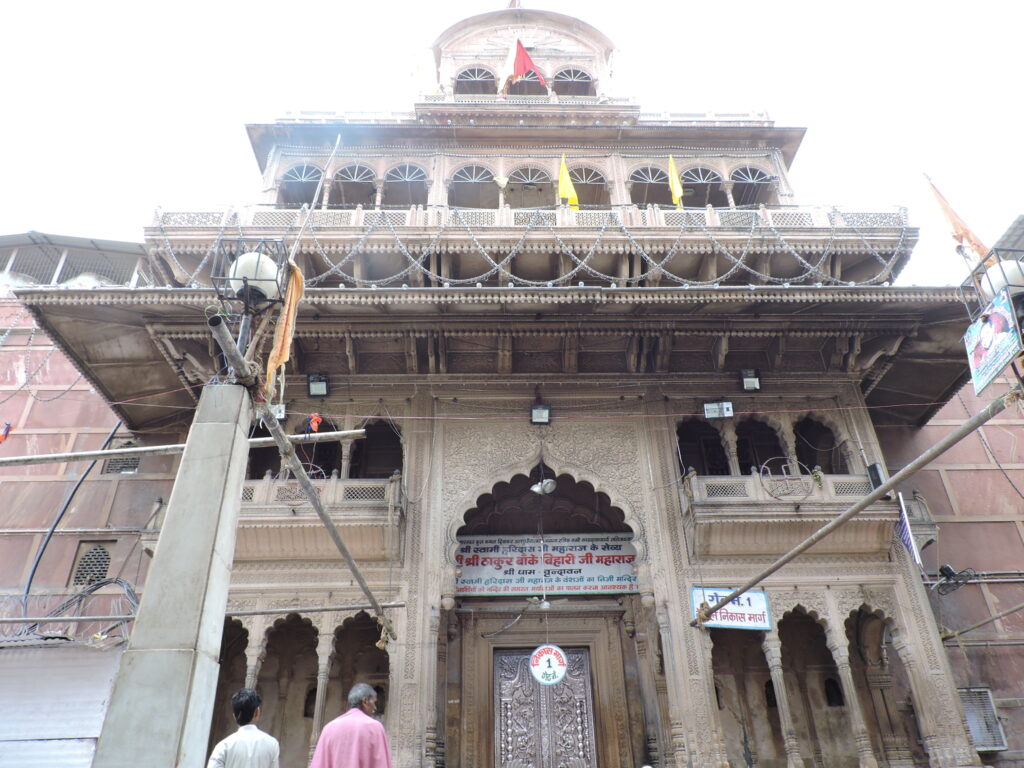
[(814, 270)]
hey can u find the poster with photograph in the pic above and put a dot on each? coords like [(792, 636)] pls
[(992, 341)]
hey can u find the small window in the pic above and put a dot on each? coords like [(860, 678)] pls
[(475, 81), (769, 695), (982, 719), (572, 82), (833, 693), (309, 706), (92, 563)]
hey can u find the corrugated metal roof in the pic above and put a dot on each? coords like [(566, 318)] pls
[(66, 753), (53, 704)]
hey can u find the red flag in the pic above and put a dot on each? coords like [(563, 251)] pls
[(521, 64)]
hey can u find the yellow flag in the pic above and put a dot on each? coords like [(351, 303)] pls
[(674, 183), (285, 330), (565, 188)]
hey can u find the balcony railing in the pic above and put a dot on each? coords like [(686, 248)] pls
[(764, 217), (272, 494), (768, 515)]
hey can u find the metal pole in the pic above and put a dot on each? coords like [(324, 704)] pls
[(246, 374), (262, 612), (983, 622), (164, 450), (994, 408)]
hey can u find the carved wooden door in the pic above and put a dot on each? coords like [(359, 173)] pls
[(543, 726)]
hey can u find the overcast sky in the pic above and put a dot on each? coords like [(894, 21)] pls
[(113, 108)]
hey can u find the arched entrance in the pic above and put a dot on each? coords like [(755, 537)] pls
[(543, 558)]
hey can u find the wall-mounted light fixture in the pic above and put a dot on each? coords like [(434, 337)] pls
[(318, 384), (750, 380)]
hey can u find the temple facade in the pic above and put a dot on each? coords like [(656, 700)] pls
[(584, 418)]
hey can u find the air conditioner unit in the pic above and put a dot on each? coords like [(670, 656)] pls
[(982, 719)]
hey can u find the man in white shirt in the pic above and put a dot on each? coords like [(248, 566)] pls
[(248, 747)]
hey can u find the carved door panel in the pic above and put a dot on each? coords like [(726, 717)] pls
[(543, 726)]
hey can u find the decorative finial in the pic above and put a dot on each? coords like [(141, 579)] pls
[(514, 4)]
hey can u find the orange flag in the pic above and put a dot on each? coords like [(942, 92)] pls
[(963, 234), (285, 329)]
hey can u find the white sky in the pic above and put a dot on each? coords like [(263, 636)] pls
[(113, 108)]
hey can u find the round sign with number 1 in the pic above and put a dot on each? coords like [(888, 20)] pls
[(548, 664)]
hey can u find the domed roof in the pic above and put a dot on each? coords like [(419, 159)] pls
[(558, 23)]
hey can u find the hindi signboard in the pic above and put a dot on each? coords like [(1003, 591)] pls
[(992, 341), (569, 564), (748, 611), (548, 664)]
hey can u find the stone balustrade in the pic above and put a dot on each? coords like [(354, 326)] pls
[(778, 217), (768, 515)]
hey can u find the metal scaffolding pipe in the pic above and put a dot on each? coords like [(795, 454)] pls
[(994, 408), (260, 612), (245, 373), (983, 622), (166, 450)]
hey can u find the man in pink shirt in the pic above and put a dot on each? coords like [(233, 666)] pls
[(356, 739)]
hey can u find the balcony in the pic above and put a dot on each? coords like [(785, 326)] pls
[(766, 218), (755, 515), (278, 523)]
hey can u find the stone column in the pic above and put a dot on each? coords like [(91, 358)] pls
[(940, 755), (727, 188), (729, 444), (840, 650), (167, 681), (346, 459), (255, 649), (324, 655), (325, 199), (772, 646), (378, 186)]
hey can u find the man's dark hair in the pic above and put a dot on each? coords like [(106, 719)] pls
[(244, 704)]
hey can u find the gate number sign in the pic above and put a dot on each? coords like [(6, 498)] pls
[(548, 664)]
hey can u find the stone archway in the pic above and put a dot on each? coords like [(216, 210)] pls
[(485, 638)]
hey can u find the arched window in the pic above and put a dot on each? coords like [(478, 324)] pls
[(756, 443), (472, 186), (262, 460), (321, 458), (591, 187), (404, 186), (529, 188), (572, 82), (528, 85), (700, 447), (379, 454), (701, 187), (298, 186), (649, 186), (816, 445), (353, 185), (833, 693), (475, 81), (751, 186)]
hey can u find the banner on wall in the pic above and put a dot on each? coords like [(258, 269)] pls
[(572, 564)]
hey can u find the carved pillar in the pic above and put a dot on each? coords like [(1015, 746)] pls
[(324, 655), (788, 439), (727, 188), (378, 186), (772, 646), (255, 649), (897, 753), (840, 650), (729, 444), (284, 677), (325, 199), (940, 755), (346, 459)]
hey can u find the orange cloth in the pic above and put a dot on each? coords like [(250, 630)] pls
[(962, 233), (281, 351)]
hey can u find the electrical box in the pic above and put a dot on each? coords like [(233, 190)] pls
[(279, 411)]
